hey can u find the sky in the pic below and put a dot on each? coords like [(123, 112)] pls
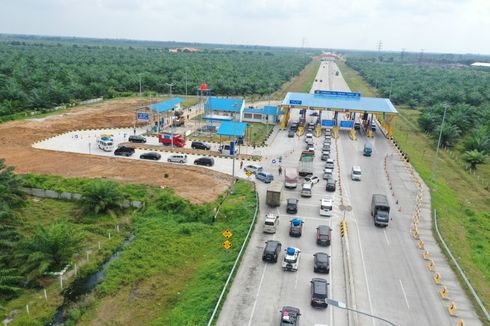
[(451, 26)]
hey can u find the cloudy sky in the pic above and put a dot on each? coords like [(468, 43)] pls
[(456, 26)]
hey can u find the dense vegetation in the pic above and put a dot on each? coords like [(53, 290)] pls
[(464, 91), (44, 74)]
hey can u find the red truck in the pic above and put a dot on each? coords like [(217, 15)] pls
[(167, 139)]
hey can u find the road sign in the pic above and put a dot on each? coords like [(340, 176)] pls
[(274, 161), (295, 102), (248, 173), (227, 244), (143, 116), (227, 234)]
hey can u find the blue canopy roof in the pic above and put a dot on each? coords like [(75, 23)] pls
[(166, 105), (224, 104), (230, 128), (340, 102), (269, 110)]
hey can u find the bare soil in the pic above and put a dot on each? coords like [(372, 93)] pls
[(16, 138)]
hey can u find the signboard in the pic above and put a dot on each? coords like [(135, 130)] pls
[(248, 173), (335, 93), (296, 102), (227, 244), (328, 123), (346, 124), (227, 234), (232, 148), (142, 116)]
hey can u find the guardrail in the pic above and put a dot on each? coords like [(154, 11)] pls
[(245, 241)]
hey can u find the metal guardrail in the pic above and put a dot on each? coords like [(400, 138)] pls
[(460, 270), (225, 287)]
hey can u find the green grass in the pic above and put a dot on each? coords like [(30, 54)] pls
[(355, 81), (301, 83), (460, 200), (95, 229)]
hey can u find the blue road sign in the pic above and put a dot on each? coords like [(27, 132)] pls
[(328, 123), (348, 124), (232, 148), (295, 102), (143, 116), (335, 93)]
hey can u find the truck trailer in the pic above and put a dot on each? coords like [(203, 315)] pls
[(306, 163), (273, 196)]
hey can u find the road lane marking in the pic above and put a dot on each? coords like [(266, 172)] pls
[(404, 294), (386, 237), (257, 295)]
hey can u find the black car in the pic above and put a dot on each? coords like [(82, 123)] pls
[(124, 151), (325, 156), (207, 161), (294, 126), (292, 205), (330, 184), (319, 292), (323, 235), (271, 251), (321, 263), (290, 316), (150, 156), (296, 227), (137, 139), (200, 145), (291, 133), (326, 147)]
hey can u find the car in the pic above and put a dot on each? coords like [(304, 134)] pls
[(271, 251), (312, 179), (290, 316), (330, 164), (326, 152), (124, 151), (319, 292), (291, 133), (291, 259), (321, 263), (323, 235), (321, 80), (271, 223), (310, 148), (357, 125), (265, 177), (200, 145), (314, 114), (294, 126), (326, 147), (291, 205), (177, 158), (206, 161), (137, 139), (330, 184), (253, 168), (296, 227), (326, 206), (327, 173), (150, 156), (308, 135), (311, 124), (325, 156), (356, 173)]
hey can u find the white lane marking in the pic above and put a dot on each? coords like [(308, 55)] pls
[(404, 294), (257, 295), (296, 282), (386, 237)]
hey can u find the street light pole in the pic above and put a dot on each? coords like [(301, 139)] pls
[(434, 164), (342, 305), (139, 75)]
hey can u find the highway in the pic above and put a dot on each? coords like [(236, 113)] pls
[(390, 278)]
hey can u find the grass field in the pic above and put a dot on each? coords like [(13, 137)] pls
[(256, 133), (461, 201), (300, 83)]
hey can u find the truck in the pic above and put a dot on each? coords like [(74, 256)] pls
[(273, 196), (178, 120), (105, 142), (380, 210), (169, 139), (291, 177), (306, 163)]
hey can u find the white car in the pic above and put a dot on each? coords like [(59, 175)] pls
[(308, 136), (312, 179), (177, 158), (253, 168), (356, 173), (327, 173), (326, 205), (291, 260), (329, 164)]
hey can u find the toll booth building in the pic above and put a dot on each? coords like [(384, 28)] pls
[(224, 109), (267, 114), (163, 112)]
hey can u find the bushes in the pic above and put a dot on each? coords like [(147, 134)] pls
[(101, 197)]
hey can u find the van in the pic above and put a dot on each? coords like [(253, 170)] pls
[(306, 190), (368, 149), (308, 136), (326, 206), (265, 177), (356, 173), (177, 158), (271, 223), (225, 149)]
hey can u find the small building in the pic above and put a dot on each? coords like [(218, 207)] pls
[(224, 109), (162, 113), (268, 114)]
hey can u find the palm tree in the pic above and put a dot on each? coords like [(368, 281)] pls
[(100, 197), (474, 158), (479, 140), (450, 133), (9, 282)]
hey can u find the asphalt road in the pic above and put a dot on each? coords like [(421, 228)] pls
[(390, 277)]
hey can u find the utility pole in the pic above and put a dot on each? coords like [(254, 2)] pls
[(434, 164), (402, 55), (421, 54), (380, 47), (170, 85), (139, 75)]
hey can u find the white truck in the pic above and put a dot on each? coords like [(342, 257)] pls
[(105, 142), (291, 259), (291, 177)]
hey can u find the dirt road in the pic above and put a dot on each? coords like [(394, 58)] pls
[(16, 138)]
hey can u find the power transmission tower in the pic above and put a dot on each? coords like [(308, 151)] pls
[(402, 54), (380, 47)]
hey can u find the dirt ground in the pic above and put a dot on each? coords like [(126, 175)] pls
[(16, 138)]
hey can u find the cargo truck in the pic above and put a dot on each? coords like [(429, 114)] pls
[(306, 163), (291, 177), (169, 139), (380, 210), (273, 197)]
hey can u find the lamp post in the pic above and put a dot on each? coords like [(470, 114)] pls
[(139, 75), (434, 164), (342, 305), (170, 85)]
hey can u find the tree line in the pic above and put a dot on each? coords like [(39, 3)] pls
[(38, 75), (464, 91)]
